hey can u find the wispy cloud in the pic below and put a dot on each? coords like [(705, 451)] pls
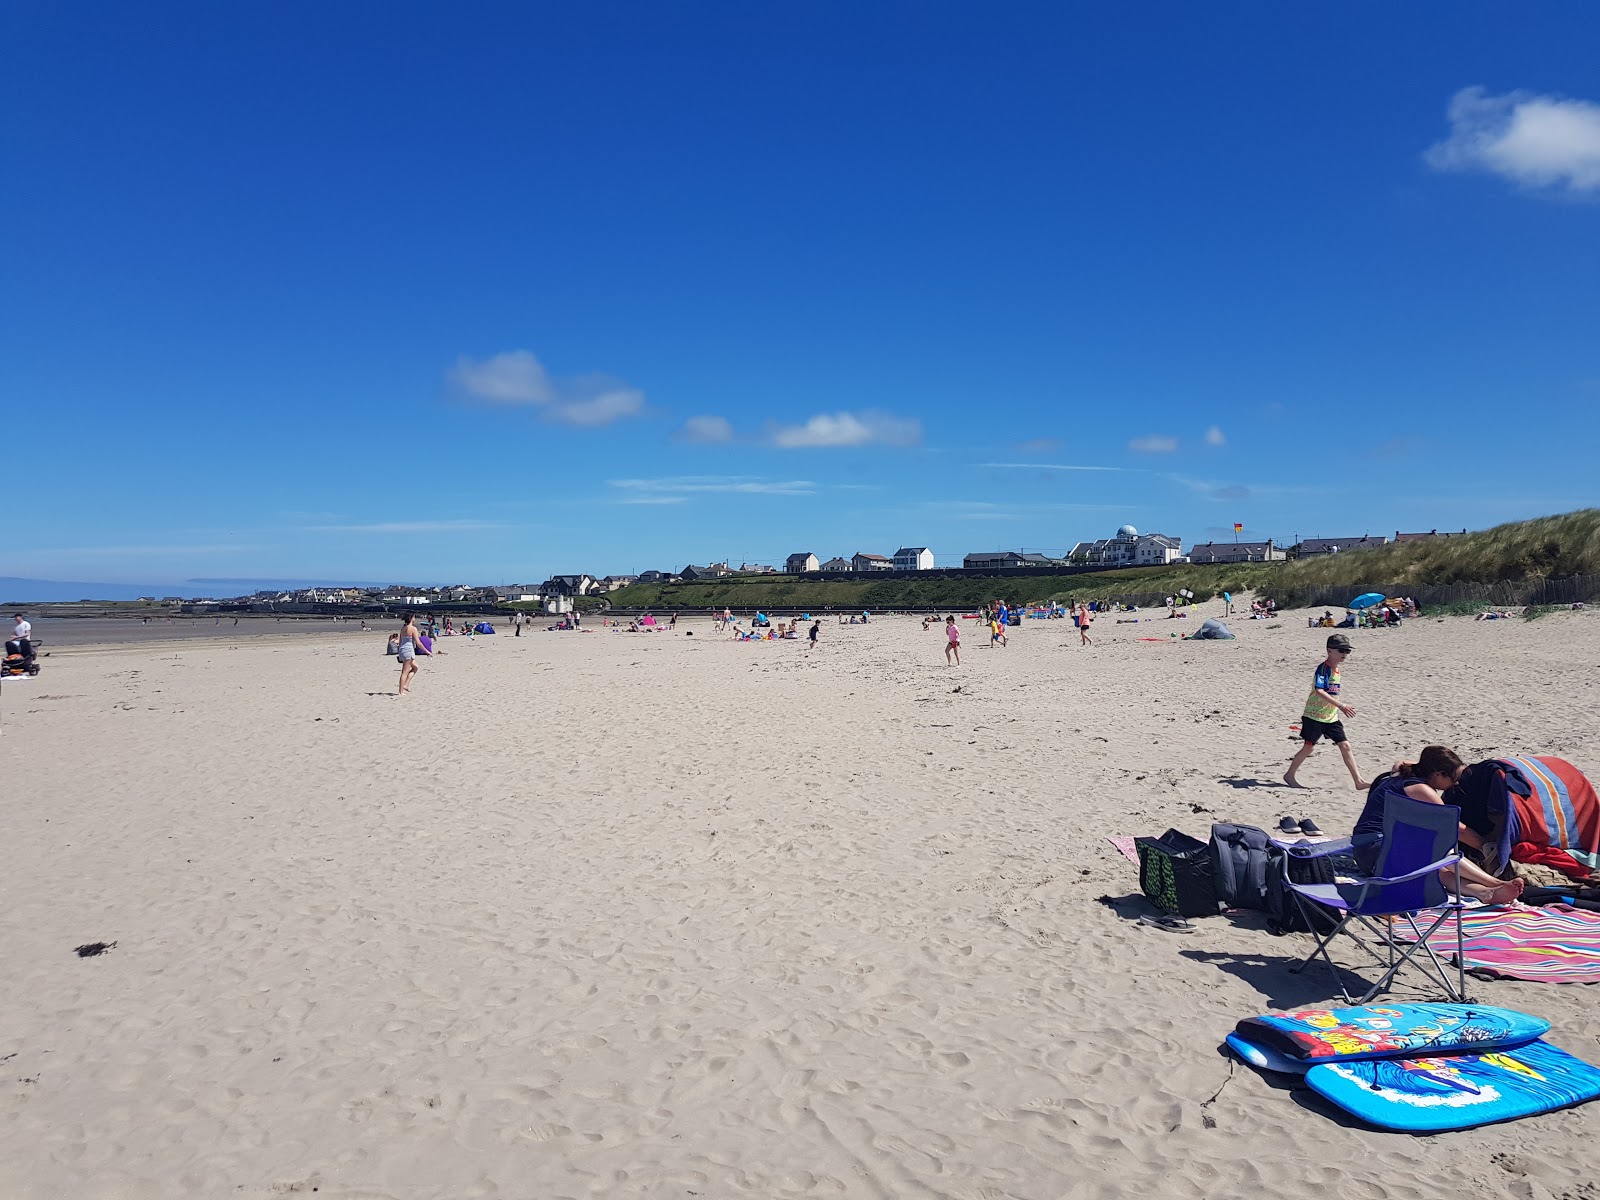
[(1536, 141), (516, 377), (409, 527), (748, 485), (848, 429), (708, 431), (142, 551), (651, 500), (1155, 443), (1034, 466), (1213, 489), (1215, 437)]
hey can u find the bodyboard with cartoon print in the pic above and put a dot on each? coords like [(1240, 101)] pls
[(1297, 1041), (1457, 1091)]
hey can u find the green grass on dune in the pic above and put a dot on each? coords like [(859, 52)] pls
[(1548, 547)]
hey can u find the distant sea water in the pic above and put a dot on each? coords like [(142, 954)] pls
[(44, 591)]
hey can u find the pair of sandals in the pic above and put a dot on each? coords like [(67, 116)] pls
[(1305, 825)]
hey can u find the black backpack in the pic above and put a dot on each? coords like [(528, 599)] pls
[(1284, 914), (1241, 865)]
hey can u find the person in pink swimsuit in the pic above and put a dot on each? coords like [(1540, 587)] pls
[(952, 645)]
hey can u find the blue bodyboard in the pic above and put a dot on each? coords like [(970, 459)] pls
[(1264, 1059), (1319, 1035), (1457, 1091)]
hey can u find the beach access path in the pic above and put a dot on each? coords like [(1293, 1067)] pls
[(640, 915)]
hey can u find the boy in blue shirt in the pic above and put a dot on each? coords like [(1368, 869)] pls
[(1322, 712)]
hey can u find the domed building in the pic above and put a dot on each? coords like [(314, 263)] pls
[(1129, 548)]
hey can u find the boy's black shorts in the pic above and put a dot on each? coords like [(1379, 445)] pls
[(1332, 730)]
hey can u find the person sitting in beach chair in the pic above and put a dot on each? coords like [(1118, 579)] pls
[(1435, 772)]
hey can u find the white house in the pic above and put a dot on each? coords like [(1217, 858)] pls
[(1129, 548), (871, 562), (799, 564), (913, 558)]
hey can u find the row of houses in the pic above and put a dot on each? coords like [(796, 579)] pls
[(1126, 548), (907, 558)]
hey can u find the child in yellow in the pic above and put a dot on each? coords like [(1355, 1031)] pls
[(1322, 712)]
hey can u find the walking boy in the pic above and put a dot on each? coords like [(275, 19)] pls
[(1322, 712)]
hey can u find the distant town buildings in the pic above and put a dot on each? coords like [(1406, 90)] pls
[(799, 564), (1003, 560), (836, 564), (913, 558), (871, 562), (1236, 552), (719, 570), (1312, 547), (1129, 548)]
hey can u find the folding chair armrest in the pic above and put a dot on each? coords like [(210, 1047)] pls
[(1448, 860)]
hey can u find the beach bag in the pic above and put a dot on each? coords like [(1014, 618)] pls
[(1284, 915), (1241, 861), (1175, 874)]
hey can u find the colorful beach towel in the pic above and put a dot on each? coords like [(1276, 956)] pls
[(1544, 945), (1528, 805)]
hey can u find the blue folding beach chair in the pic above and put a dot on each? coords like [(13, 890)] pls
[(1419, 840)]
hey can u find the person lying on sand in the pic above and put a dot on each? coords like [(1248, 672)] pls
[(1435, 770)]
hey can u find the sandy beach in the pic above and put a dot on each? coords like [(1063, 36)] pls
[(613, 915)]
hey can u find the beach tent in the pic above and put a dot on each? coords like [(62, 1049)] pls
[(1212, 630), (1366, 600)]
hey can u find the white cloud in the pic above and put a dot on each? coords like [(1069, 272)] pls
[(516, 377), (1154, 443), (600, 409), (1537, 141), (652, 500), (1215, 437), (747, 485), (706, 430), (849, 429)]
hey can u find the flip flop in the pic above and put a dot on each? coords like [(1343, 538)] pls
[(1169, 924)]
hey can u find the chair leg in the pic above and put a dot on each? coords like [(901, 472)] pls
[(1438, 974), (1321, 950)]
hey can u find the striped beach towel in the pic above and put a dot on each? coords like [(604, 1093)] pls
[(1556, 944)]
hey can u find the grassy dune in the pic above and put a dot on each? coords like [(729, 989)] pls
[(1548, 547)]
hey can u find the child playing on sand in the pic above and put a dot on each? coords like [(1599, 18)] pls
[(997, 632), (816, 628), (1322, 712), (952, 645)]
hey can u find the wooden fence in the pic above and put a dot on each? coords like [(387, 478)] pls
[(1573, 590)]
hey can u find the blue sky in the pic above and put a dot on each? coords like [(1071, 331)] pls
[(399, 292)]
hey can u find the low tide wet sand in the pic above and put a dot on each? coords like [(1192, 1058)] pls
[(616, 915)]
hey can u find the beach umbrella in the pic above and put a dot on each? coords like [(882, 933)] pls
[(1366, 600)]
